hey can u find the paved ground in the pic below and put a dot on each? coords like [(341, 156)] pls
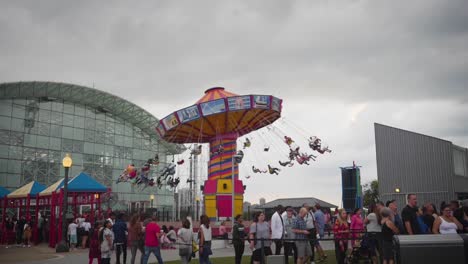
[(44, 255)]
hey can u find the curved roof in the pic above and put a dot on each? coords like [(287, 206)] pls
[(103, 101), (219, 112), (215, 93)]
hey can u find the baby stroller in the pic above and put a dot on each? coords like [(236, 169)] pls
[(360, 252)]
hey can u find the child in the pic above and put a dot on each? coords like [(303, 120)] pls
[(27, 235)]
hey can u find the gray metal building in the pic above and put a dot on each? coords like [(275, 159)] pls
[(407, 162)]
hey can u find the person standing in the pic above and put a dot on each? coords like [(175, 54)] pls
[(289, 245), (328, 221), (238, 238), (120, 232), (374, 230), (357, 225), (27, 233), (223, 233), (106, 239), (260, 230), (19, 228), (40, 228), (79, 229), (320, 221), (135, 233), (152, 235), (185, 247), (341, 233), (86, 228), (304, 248), (277, 229), (392, 204), (94, 246), (446, 223), (389, 229), (172, 236), (410, 217), (311, 227), (72, 232), (205, 237)]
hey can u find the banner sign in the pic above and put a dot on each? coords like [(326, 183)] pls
[(239, 102), (213, 107)]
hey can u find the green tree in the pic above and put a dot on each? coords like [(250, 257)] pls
[(370, 192)]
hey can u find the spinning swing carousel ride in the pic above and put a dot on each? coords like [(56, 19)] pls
[(220, 118)]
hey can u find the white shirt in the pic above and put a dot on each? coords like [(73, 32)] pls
[(86, 226), (206, 232), (373, 225), (310, 220), (447, 227), (72, 229), (277, 226)]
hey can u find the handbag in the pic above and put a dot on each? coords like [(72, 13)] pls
[(194, 247)]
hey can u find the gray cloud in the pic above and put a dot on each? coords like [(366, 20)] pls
[(406, 62)]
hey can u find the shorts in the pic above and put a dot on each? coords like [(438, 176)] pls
[(257, 254), (73, 239), (303, 249)]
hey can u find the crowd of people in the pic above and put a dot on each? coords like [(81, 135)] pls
[(19, 231), (384, 221), (293, 233)]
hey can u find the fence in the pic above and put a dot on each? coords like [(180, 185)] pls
[(353, 257)]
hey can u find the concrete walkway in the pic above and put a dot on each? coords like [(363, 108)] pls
[(44, 255)]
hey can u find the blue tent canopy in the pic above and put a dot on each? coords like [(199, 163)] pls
[(3, 192), (85, 183), (37, 188)]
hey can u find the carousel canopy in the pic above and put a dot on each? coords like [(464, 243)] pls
[(85, 183), (3, 192), (219, 112), (52, 188), (31, 188)]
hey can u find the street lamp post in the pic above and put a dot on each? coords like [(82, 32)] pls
[(236, 159), (63, 246)]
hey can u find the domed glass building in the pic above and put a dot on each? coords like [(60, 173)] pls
[(41, 121)]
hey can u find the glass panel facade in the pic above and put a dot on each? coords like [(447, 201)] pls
[(35, 135)]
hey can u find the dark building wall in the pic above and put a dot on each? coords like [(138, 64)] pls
[(460, 163), (414, 163)]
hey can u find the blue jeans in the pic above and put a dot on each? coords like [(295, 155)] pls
[(205, 256), (156, 251)]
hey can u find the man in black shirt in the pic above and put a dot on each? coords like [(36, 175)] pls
[(409, 216)]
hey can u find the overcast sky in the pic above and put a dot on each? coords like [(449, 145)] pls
[(339, 66)]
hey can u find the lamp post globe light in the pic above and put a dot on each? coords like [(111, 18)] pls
[(152, 199), (63, 246)]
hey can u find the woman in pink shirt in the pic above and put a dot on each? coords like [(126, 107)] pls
[(357, 225), (223, 233)]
